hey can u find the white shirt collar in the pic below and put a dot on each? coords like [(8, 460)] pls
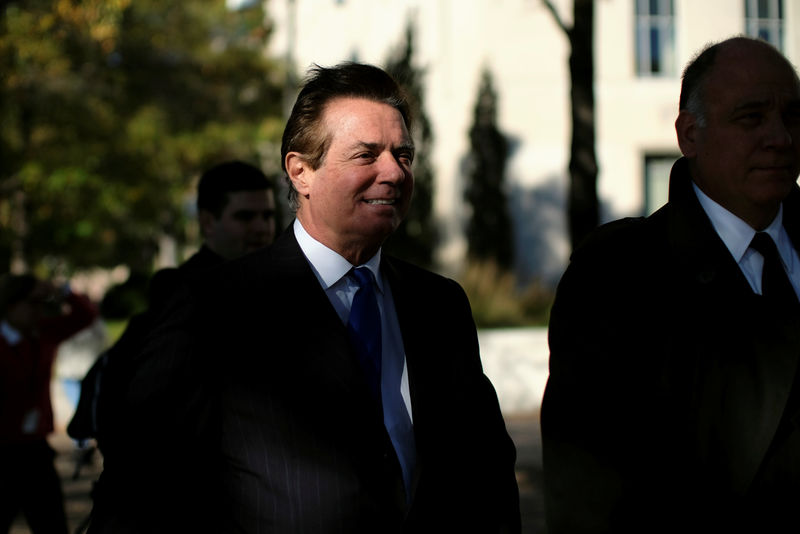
[(328, 265), (734, 232), (12, 335)]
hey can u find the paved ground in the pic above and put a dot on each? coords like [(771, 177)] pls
[(524, 429), (525, 432), (77, 490)]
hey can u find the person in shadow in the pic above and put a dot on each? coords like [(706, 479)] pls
[(236, 214), (318, 385), (673, 398), (35, 317)]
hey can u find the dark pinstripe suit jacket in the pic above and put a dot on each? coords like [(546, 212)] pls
[(284, 436)]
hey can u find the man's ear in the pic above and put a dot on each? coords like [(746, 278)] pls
[(686, 127), (206, 219), (299, 172)]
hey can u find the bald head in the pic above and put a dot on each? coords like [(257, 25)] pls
[(697, 72), (739, 127)]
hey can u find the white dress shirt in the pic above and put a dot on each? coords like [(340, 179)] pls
[(737, 235), (331, 269)]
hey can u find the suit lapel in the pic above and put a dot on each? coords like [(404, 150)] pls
[(412, 333), (320, 338), (748, 365)]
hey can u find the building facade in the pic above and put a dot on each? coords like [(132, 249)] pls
[(641, 47)]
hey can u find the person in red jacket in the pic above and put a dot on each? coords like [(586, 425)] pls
[(35, 318)]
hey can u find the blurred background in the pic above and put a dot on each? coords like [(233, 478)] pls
[(536, 120)]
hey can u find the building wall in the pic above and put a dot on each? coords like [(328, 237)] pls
[(527, 54)]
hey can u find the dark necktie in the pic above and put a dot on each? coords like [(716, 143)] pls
[(364, 327), (775, 284), (384, 378)]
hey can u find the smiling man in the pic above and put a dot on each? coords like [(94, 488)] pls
[(360, 192), (317, 385), (337, 426), (673, 399)]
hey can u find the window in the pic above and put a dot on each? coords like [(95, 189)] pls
[(764, 19), (655, 38), (656, 180)]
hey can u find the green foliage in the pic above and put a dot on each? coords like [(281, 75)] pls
[(109, 109), (125, 300), (415, 239), (489, 230), (497, 301), (114, 329)]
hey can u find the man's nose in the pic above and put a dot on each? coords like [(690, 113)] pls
[(778, 134), (391, 170), (260, 224)]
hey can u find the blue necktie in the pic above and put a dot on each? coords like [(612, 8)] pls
[(384, 375), (364, 327)]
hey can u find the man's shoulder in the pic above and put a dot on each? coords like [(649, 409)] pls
[(276, 270), (403, 270), (202, 260), (621, 238)]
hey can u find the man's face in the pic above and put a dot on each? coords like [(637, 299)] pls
[(362, 190), (747, 156), (247, 223)]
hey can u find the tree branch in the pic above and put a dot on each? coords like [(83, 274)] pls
[(559, 21)]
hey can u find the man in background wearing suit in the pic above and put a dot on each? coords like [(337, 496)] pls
[(236, 212), (672, 403), (317, 385)]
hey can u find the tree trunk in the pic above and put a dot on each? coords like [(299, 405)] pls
[(582, 208)]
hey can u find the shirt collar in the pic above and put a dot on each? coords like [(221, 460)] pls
[(11, 334), (328, 265), (734, 232)]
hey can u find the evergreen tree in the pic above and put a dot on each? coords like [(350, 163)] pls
[(415, 239), (489, 230)]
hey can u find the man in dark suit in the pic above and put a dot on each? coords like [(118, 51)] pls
[(236, 214), (672, 399), (341, 390)]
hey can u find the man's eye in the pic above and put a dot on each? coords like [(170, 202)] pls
[(792, 117), (244, 216), (750, 119)]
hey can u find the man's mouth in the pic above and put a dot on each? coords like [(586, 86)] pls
[(381, 201), (775, 169)]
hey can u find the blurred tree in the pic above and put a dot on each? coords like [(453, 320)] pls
[(415, 239), (489, 230), (583, 207), (109, 109)]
